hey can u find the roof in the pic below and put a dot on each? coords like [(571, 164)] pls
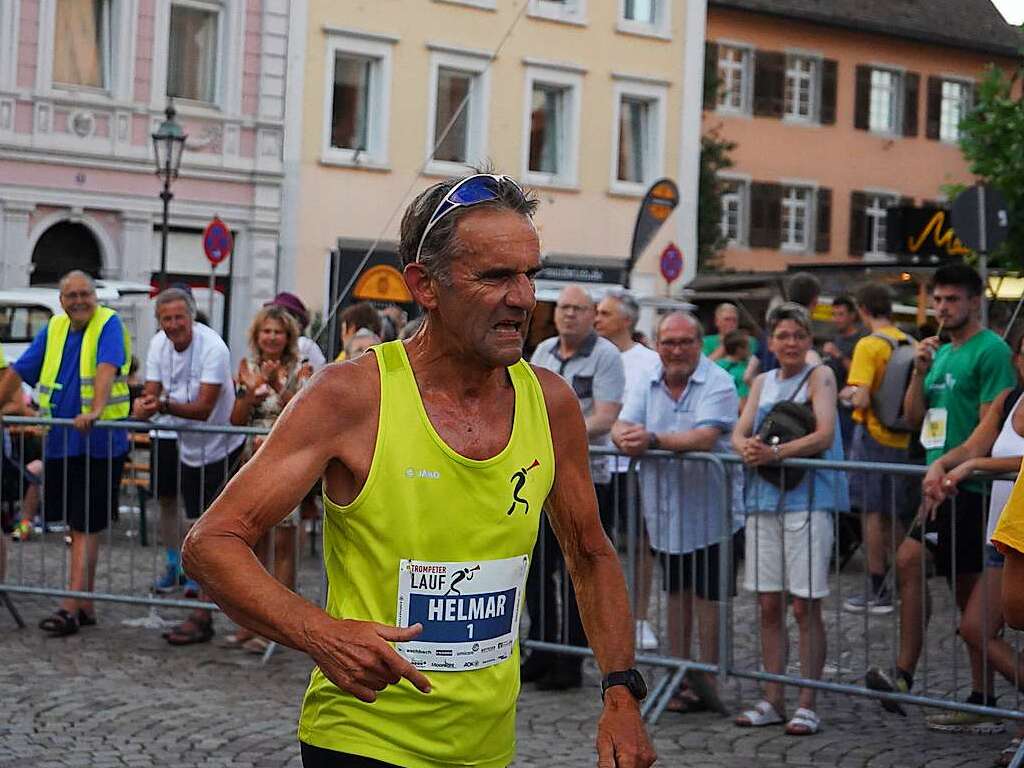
[(972, 24)]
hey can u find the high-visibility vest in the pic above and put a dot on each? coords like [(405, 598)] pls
[(118, 404)]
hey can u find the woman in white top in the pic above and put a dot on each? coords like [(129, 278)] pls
[(267, 380), (995, 446)]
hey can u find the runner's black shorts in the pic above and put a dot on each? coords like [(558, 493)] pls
[(318, 757), (697, 571), (82, 491), (201, 485), (967, 551), (163, 463)]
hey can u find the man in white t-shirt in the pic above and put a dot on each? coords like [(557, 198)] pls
[(617, 315), (188, 380)]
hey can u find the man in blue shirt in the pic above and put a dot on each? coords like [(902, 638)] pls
[(82, 471)]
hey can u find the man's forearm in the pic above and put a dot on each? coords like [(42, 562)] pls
[(599, 425), (197, 411), (101, 388), (604, 607), (913, 402), (700, 439)]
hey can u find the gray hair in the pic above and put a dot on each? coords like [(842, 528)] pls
[(168, 295), (683, 315), (628, 303), (789, 310), (80, 274), (727, 305), (441, 246)]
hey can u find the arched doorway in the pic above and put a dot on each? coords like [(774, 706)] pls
[(65, 246)]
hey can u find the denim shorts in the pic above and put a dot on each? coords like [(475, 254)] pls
[(882, 492)]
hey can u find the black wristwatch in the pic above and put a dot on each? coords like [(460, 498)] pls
[(631, 678)]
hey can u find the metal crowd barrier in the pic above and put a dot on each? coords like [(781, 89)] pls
[(673, 502)]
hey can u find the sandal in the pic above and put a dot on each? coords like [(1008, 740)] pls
[(191, 632), (763, 713), (686, 702), (59, 624), (85, 620), (236, 640), (1009, 752), (805, 722), (256, 645)]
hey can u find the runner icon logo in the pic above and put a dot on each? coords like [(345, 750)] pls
[(518, 480), (464, 574)]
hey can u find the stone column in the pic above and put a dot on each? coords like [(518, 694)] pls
[(16, 264)]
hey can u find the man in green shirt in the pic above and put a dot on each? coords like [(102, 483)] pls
[(951, 387), (727, 319)]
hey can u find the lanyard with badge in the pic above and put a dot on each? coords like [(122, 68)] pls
[(933, 428)]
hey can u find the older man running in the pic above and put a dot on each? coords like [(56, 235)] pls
[(438, 455)]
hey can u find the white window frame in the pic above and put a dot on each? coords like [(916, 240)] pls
[(476, 65), (656, 95), (121, 67), (379, 111), (809, 206), (9, 23), (661, 28), (487, 5), (896, 100), (210, 6), (813, 85), (746, 71), (877, 210), (565, 11), (742, 198), (965, 101), (571, 80)]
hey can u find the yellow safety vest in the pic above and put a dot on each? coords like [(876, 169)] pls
[(118, 404)]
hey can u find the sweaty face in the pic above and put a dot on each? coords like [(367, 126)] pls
[(272, 338), (78, 300), (953, 306), (790, 342), (679, 347), (486, 309), (176, 322), (610, 320)]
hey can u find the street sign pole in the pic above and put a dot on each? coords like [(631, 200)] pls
[(983, 254), (213, 281)]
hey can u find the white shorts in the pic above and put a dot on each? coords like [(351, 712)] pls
[(784, 553)]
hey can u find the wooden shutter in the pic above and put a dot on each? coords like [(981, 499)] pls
[(862, 98), (710, 75), (829, 78), (934, 108), (911, 88), (823, 227), (765, 215), (769, 83), (858, 223)]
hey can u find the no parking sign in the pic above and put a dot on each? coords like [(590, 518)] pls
[(217, 241)]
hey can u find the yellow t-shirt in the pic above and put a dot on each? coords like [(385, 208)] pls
[(1009, 532), (867, 368)]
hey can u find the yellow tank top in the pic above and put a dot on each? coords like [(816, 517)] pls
[(442, 539)]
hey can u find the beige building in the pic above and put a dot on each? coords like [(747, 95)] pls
[(585, 101)]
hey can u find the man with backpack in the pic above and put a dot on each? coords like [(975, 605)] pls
[(879, 372), (951, 388)]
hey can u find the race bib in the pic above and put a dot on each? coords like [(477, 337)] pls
[(933, 430), (469, 611)]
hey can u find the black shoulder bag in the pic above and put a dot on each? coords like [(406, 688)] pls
[(785, 422)]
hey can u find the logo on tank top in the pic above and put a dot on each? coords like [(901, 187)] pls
[(518, 481)]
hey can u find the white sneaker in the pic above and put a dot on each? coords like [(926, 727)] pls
[(646, 640)]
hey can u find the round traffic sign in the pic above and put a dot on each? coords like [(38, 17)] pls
[(671, 262), (980, 218), (217, 241)]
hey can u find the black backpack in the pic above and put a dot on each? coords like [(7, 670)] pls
[(785, 422)]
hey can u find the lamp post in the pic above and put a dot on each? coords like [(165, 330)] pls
[(168, 143)]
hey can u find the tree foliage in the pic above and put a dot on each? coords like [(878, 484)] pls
[(992, 141), (714, 157)]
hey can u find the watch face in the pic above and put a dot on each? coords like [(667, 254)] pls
[(637, 685)]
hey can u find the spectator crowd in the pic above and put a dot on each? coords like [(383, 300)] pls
[(951, 399)]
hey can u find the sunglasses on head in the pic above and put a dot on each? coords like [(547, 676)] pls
[(472, 190)]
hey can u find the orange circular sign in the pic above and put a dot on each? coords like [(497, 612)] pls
[(382, 283)]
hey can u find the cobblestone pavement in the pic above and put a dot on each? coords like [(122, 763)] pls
[(118, 695)]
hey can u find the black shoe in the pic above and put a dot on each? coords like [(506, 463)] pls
[(537, 666), (561, 678)]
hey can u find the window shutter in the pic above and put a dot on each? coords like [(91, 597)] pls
[(765, 215), (934, 112), (911, 86), (710, 75), (769, 83), (862, 98), (823, 228), (829, 78), (858, 223)]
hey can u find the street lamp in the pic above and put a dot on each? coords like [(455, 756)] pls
[(168, 143)]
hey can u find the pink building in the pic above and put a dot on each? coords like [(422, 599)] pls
[(84, 83), (840, 109)]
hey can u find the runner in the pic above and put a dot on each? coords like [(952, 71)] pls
[(420, 444)]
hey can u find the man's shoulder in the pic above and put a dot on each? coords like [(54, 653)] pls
[(606, 350), (715, 376), (210, 342), (544, 348), (639, 353)]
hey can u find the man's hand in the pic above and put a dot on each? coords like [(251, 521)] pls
[(631, 439), (356, 657), (145, 406), (83, 422), (622, 740), (925, 354)]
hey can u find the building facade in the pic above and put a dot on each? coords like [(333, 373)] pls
[(839, 111), (585, 102), (83, 85)]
